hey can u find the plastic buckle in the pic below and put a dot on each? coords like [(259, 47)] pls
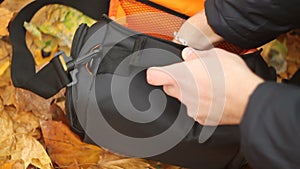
[(73, 74), (64, 59), (67, 64)]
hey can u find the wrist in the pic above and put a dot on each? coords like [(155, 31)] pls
[(197, 32), (243, 94)]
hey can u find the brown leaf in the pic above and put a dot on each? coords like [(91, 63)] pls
[(128, 163), (58, 114), (1, 106), (5, 17), (14, 5), (29, 102), (66, 149)]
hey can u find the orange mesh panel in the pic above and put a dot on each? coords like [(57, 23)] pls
[(230, 47), (146, 19), (149, 20)]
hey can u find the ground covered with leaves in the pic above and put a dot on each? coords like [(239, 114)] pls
[(35, 132)]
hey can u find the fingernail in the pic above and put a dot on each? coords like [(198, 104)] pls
[(186, 53)]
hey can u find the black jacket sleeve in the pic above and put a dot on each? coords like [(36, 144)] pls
[(252, 23), (270, 129)]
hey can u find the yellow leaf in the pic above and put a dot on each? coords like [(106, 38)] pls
[(1, 106), (4, 64), (5, 79), (5, 49), (31, 152), (20, 145), (7, 134), (5, 17), (10, 164), (26, 122), (128, 163), (8, 95)]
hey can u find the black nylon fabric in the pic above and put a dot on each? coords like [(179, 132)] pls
[(217, 153), (295, 80), (272, 115), (52, 78), (221, 150), (252, 23), (258, 65)]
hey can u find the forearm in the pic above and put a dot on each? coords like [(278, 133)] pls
[(270, 127), (249, 23)]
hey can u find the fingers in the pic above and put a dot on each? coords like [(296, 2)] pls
[(161, 76), (188, 54), (157, 76), (170, 76)]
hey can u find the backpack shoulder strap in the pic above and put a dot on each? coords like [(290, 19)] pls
[(49, 80)]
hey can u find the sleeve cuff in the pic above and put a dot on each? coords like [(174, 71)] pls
[(270, 127), (221, 27)]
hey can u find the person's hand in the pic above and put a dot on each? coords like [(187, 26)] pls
[(215, 85), (196, 33)]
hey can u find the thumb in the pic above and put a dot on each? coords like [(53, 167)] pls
[(189, 54), (158, 76)]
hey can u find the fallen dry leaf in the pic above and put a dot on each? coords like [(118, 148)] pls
[(26, 122), (11, 164), (7, 94), (128, 163), (58, 114), (5, 18), (17, 144), (31, 152), (5, 50), (5, 79), (4, 65), (30, 102), (66, 149), (14, 5), (7, 134)]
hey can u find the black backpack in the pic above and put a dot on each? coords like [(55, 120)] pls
[(105, 81)]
